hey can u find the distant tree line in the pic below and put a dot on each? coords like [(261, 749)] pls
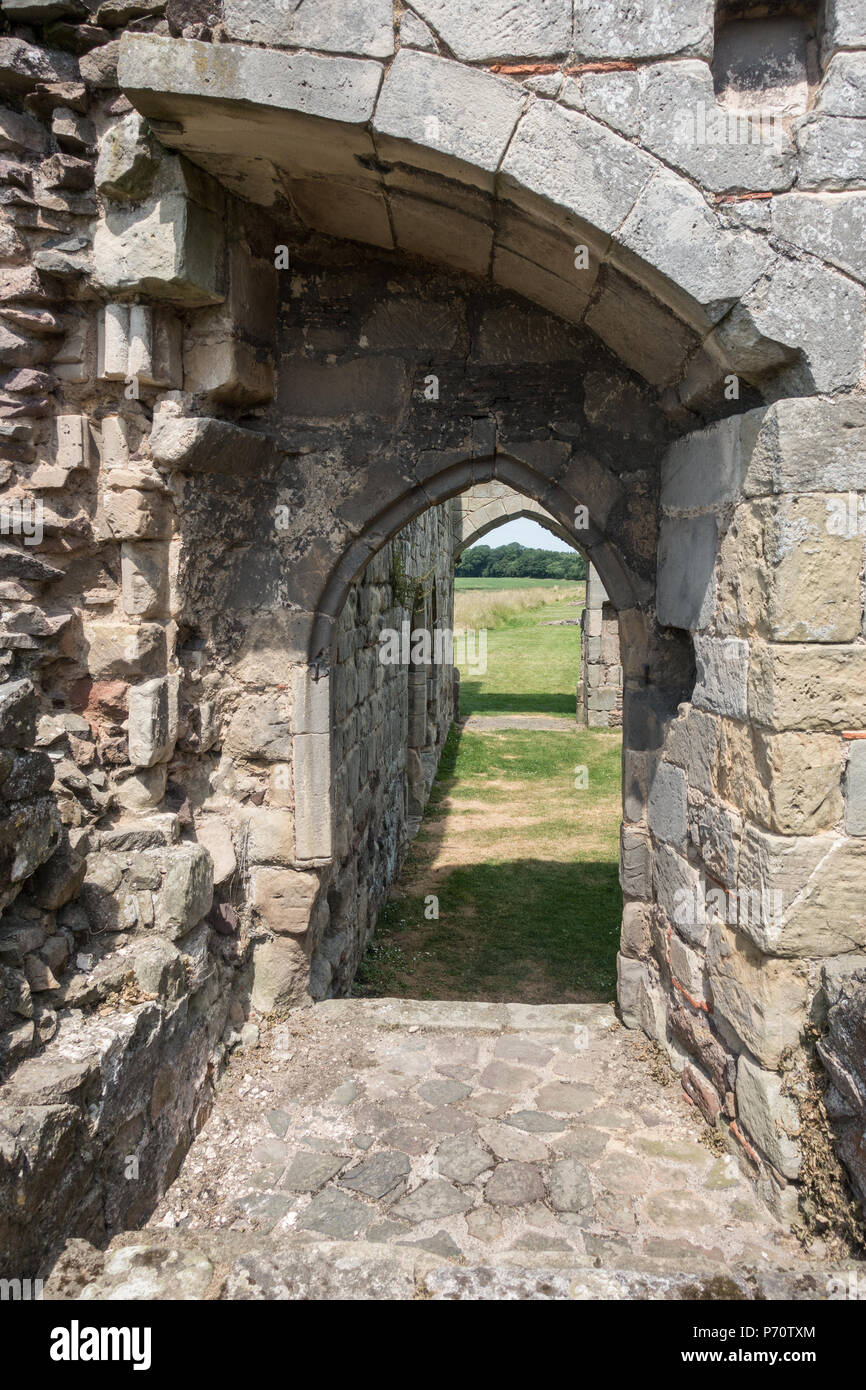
[(519, 562)]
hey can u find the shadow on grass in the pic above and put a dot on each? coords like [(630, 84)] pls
[(529, 930), (475, 700)]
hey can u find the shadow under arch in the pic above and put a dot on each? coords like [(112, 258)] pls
[(376, 155)]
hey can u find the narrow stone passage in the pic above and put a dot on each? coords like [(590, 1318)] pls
[(510, 890), (399, 1149)]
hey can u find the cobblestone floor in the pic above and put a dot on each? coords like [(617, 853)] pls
[(478, 1132)]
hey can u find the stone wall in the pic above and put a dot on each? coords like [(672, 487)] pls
[(599, 690), (747, 876), (843, 1052), (391, 719), (481, 508)]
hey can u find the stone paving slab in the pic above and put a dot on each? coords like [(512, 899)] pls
[(472, 1017), (484, 1129), (400, 1148)]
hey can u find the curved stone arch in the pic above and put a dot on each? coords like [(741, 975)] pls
[(625, 589), (466, 167), (487, 506), (312, 688)]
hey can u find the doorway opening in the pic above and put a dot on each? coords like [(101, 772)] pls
[(509, 886)]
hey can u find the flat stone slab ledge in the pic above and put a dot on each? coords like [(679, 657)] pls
[(471, 1017)]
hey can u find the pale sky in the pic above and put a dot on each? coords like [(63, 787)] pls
[(525, 532)]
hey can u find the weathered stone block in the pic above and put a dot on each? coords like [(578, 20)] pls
[(796, 432), (569, 162), (453, 115), (144, 578), (678, 889), (832, 152), (715, 831), (630, 976), (119, 649), (667, 805), (21, 134), (687, 967), (260, 729), (132, 514), (280, 974), (720, 147), (828, 341), (660, 351), (17, 714), (844, 25), (707, 467), (230, 371), (616, 29), (722, 675), (216, 836), (635, 864), (703, 748), (340, 89), (142, 790), (60, 877), (678, 249), (788, 782), (855, 789), (171, 246), (365, 27), (414, 33), (685, 595), (449, 237), (611, 97), (635, 937), (202, 444), (495, 29), (652, 1008), (127, 161), (762, 999), (23, 65), (829, 225), (283, 899), (187, 889), (29, 835), (153, 721), (814, 581), (802, 896), (769, 1116), (158, 968), (807, 687), (271, 838)]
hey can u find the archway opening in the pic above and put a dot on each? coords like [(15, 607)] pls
[(502, 810)]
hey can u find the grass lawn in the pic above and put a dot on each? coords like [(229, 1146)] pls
[(523, 863), (531, 668)]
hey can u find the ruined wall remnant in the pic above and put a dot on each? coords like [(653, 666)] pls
[(599, 690), (273, 292)]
